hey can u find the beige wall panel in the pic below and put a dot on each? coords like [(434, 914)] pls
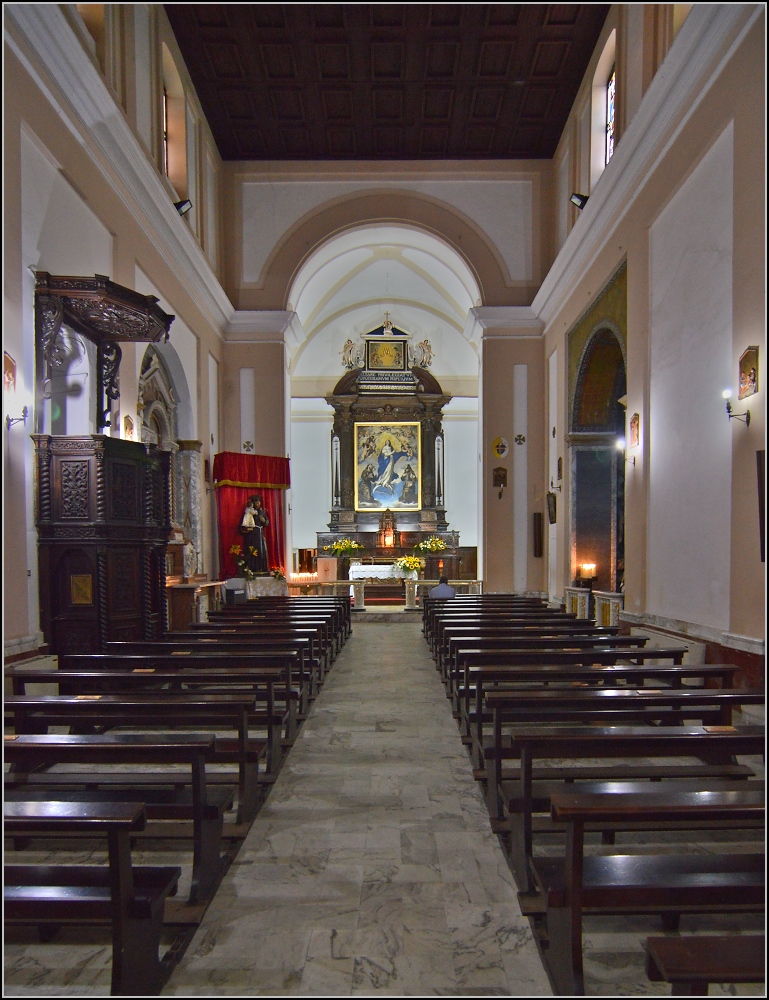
[(500, 354), (267, 361)]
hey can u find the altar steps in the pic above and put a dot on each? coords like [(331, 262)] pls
[(384, 593)]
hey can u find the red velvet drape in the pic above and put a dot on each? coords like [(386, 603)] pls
[(236, 478)]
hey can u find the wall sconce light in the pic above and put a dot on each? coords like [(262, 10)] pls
[(182, 207), (580, 200), (727, 394), (10, 421), (621, 445)]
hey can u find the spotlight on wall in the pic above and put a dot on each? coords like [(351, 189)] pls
[(621, 445), (580, 200), (727, 394), (182, 207)]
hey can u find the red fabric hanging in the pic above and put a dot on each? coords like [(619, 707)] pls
[(236, 478)]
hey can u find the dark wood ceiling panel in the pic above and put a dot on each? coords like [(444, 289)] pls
[(503, 15), (437, 104), (384, 81), (386, 60), (487, 103), (333, 61), (445, 15), (388, 104), (387, 15), (224, 60), (494, 59), (238, 105), (337, 105)]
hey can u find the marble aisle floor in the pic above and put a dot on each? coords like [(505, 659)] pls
[(372, 868)]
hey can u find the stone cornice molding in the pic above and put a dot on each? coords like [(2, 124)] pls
[(502, 321), (50, 51), (706, 41), (265, 326)]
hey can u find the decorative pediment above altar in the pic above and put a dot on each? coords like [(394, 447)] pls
[(385, 362)]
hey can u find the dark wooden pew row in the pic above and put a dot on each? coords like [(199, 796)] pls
[(337, 606), (538, 619), (714, 749), (313, 659), (666, 884), (330, 625), (455, 672), (470, 603), (318, 654), (292, 655), (691, 963), (181, 795), (267, 685), (33, 714), (326, 640), (128, 898), (479, 678), (491, 638), (277, 703)]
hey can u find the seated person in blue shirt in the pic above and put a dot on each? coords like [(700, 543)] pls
[(443, 589)]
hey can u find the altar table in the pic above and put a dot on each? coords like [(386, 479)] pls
[(362, 571)]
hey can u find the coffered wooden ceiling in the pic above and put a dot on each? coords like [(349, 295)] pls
[(386, 81)]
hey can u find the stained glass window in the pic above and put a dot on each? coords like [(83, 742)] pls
[(611, 93)]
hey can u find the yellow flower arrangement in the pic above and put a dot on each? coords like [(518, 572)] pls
[(245, 569), (431, 544), (409, 563), (343, 546)]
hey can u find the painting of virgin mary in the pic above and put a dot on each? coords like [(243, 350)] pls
[(387, 450)]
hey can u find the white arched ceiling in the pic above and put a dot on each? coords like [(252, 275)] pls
[(344, 289)]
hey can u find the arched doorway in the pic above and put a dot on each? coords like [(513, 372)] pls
[(597, 467)]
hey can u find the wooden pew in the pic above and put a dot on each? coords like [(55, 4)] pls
[(326, 641), (537, 619), (690, 964), (480, 678), (127, 898), (180, 795), (455, 674), (276, 704), (666, 884), (458, 639), (310, 671), (338, 607), (33, 714), (717, 748)]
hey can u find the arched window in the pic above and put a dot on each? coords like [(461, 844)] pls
[(174, 126), (604, 84), (611, 93)]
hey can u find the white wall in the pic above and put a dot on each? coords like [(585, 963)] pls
[(460, 450), (310, 496), (690, 364)]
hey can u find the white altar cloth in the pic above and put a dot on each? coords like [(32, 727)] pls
[(361, 571)]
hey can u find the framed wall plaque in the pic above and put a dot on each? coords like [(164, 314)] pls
[(81, 589)]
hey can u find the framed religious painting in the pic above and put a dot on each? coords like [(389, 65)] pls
[(388, 469), (386, 355)]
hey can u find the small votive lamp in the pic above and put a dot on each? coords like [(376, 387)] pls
[(587, 571)]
